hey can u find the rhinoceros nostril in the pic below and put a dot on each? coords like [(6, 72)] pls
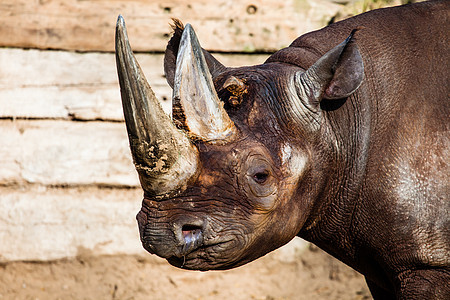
[(191, 233), (186, 229), (191, 238)]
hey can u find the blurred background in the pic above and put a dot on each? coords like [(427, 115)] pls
[(68, 189)]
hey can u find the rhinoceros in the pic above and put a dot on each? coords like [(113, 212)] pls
[(342, 139)]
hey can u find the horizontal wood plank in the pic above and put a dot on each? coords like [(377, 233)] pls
[(39, 223), (64, 153), (66, 85), (222, 25)]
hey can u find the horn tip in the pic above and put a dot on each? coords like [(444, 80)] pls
[(189, 36), (121, 31), (120, 21), (188, 30)]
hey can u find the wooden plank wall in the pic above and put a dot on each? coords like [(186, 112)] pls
[(67, 182), (229, 25)]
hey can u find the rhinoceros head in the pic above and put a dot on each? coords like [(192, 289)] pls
[(232, 176)]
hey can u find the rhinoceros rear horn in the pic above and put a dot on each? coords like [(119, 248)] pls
[(163, 156), (194, 94), (337, 74)]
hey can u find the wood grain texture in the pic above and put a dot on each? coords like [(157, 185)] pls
[(38, 223), (222, 25), (65, 153)]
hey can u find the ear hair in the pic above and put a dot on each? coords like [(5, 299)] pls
[(177, 27)]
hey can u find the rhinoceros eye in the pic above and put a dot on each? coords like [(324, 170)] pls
[(261, 177), (260, 181)]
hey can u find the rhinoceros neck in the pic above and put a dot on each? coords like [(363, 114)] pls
[(375, 132), (347, 133)]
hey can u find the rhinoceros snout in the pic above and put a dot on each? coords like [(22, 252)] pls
[(175, 238)]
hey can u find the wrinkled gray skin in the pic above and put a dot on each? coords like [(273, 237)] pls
[(347, 148)]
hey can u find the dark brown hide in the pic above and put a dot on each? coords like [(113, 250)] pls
[(388, 215), (343, 141)]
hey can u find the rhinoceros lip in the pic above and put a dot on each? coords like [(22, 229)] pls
[(197, 259)]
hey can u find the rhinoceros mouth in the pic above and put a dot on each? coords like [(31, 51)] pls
[(206, 257)]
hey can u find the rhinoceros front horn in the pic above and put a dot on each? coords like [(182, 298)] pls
[(163, 156), (204, 115)]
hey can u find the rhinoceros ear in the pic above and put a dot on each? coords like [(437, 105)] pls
[(170, 57), (336, 75)]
